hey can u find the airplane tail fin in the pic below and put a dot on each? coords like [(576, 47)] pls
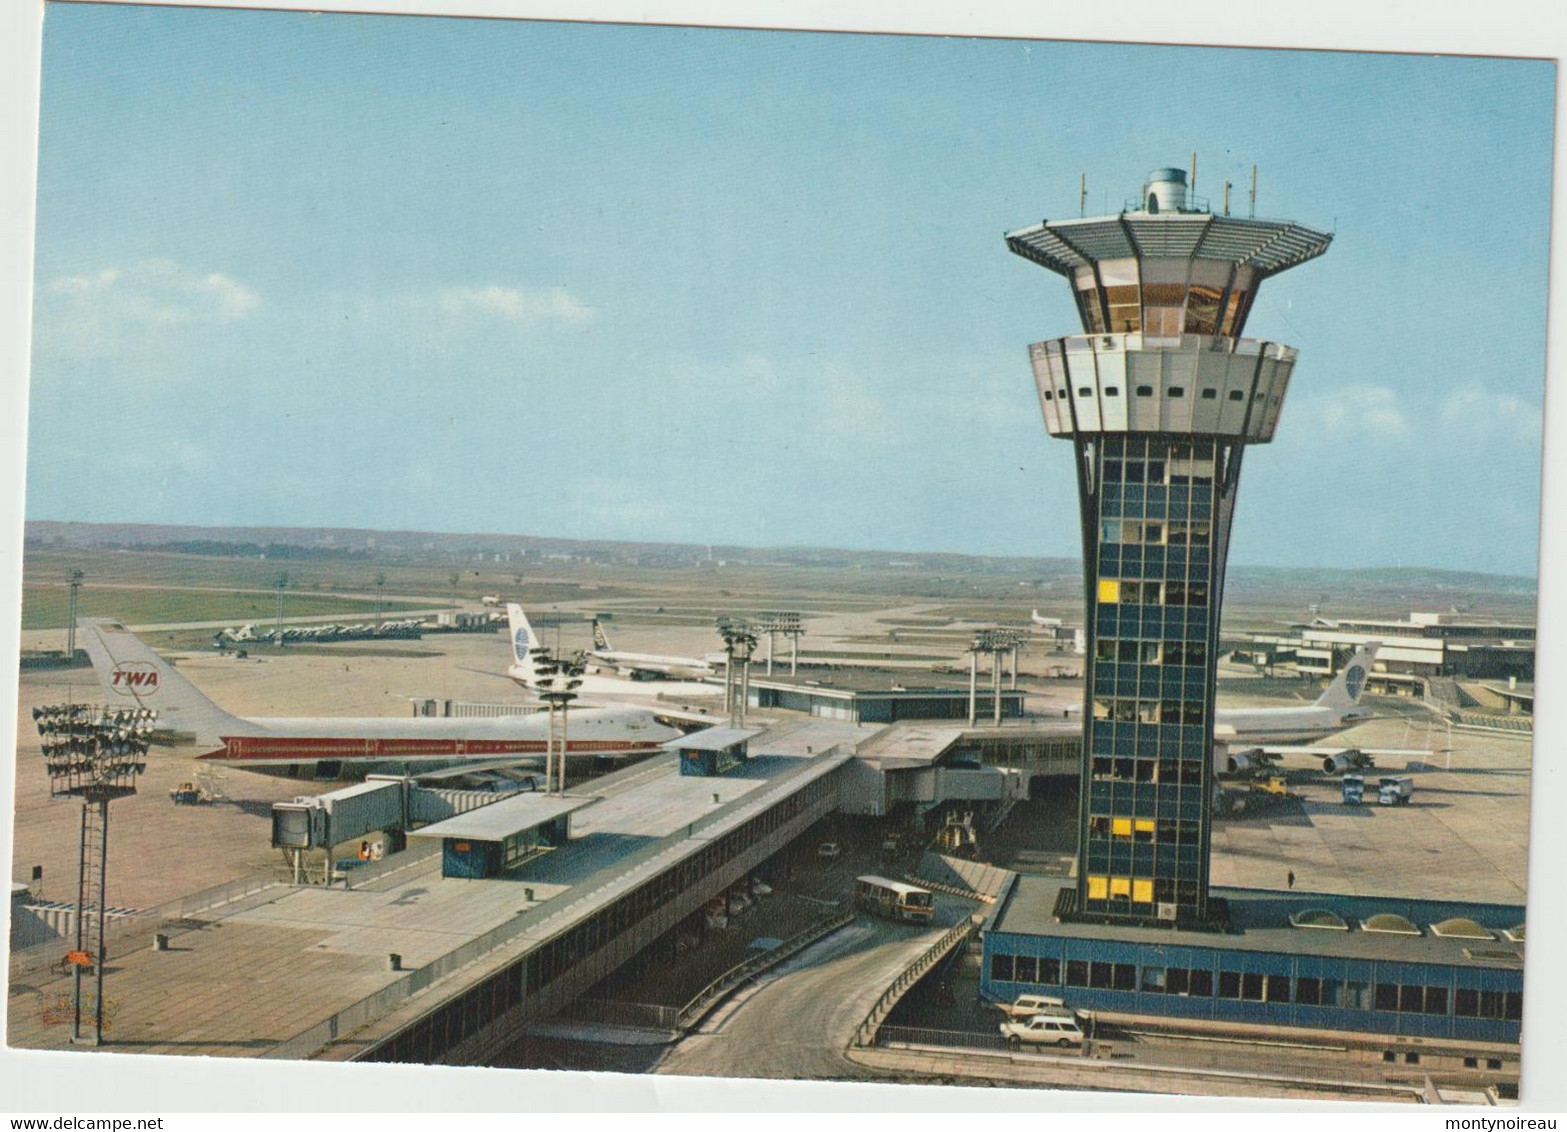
[(600, 638), (1344, 692), (523, 639), (130, 671)]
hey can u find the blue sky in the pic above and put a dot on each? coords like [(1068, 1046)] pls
[(746, 287)]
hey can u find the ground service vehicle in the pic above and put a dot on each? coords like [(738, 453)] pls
[(1395, 790), (1354, 789), (893, 900), (1044, 1029)]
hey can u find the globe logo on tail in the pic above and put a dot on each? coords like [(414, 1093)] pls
[(519, 645), (1354, 680)]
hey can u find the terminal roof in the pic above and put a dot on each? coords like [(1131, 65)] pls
[(1261, 919), (1267, 246), (712, 739), (506, 818)]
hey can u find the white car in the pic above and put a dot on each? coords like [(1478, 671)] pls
[(1028, 1005), (1044, 1030), (829, 851)]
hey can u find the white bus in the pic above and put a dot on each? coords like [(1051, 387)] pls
[(893, 899)]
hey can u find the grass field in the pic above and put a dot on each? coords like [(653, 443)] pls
[(46, 606)]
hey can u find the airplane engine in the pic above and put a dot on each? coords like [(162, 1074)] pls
[(1335, 763), (1238, 763)]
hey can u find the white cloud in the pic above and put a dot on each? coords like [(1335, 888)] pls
[(1363, 410), (154, 292), (514, 304), (1472, 411)]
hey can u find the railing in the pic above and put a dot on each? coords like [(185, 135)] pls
[(865, 1035), (710, 995), (1522, 724), (949, 889), (1112, 1054), (613, 1012), (40, 957), (919, 1035)]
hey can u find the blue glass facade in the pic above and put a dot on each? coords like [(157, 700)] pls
[(1319, 992), (1285, 977), (1155, 533)]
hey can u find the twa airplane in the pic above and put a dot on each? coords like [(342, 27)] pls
[(640, 682), (341, 747)]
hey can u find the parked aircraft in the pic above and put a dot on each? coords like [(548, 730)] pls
[(1336, 709), (1333, 711), (644, 666), (641, 682), (346, 747)]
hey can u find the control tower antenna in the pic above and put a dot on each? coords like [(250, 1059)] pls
[(1160, 396)]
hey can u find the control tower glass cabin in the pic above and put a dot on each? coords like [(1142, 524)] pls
[(1159, 396)]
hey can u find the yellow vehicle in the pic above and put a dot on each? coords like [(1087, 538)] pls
[(1272, 784)]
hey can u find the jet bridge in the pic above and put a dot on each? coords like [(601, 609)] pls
[(381, 803)]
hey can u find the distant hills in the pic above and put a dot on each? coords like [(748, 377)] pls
[(1423, 584)]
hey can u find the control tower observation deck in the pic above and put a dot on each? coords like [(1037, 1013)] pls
[(1160, 396)]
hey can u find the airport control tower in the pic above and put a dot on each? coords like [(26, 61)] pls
[(1159, 396)]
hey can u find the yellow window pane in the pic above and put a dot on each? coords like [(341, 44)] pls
[(1120, 886), (1121, 827), (1145, 825), (1109, 590), (1142, 892), (1096, 887)]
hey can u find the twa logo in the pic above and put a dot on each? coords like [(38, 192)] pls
[(134, 678)]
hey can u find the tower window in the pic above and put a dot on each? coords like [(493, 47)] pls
[(1210, 394), (1112, 391), (1047, 395), (1237, 395), (1145, 391), (1175, 391), (1085, 391)]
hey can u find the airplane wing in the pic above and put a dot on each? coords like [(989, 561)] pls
[(485, 766)]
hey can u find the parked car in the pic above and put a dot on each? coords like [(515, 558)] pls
[(1027, 1005), (829, 851), (1053, 1029)]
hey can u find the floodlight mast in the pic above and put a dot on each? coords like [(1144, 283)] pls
[(1160, 396), (74, 581), (94, 754), (557, 684), (787, 623), (739, 643), (995, 641)]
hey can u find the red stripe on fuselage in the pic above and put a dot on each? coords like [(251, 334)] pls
[(243, 748)]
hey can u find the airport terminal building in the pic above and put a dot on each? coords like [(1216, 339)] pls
[(1410, 968)]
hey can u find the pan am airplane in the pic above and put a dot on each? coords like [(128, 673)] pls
[(524, 642)]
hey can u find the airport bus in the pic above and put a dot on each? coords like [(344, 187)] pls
[(893, 899)]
